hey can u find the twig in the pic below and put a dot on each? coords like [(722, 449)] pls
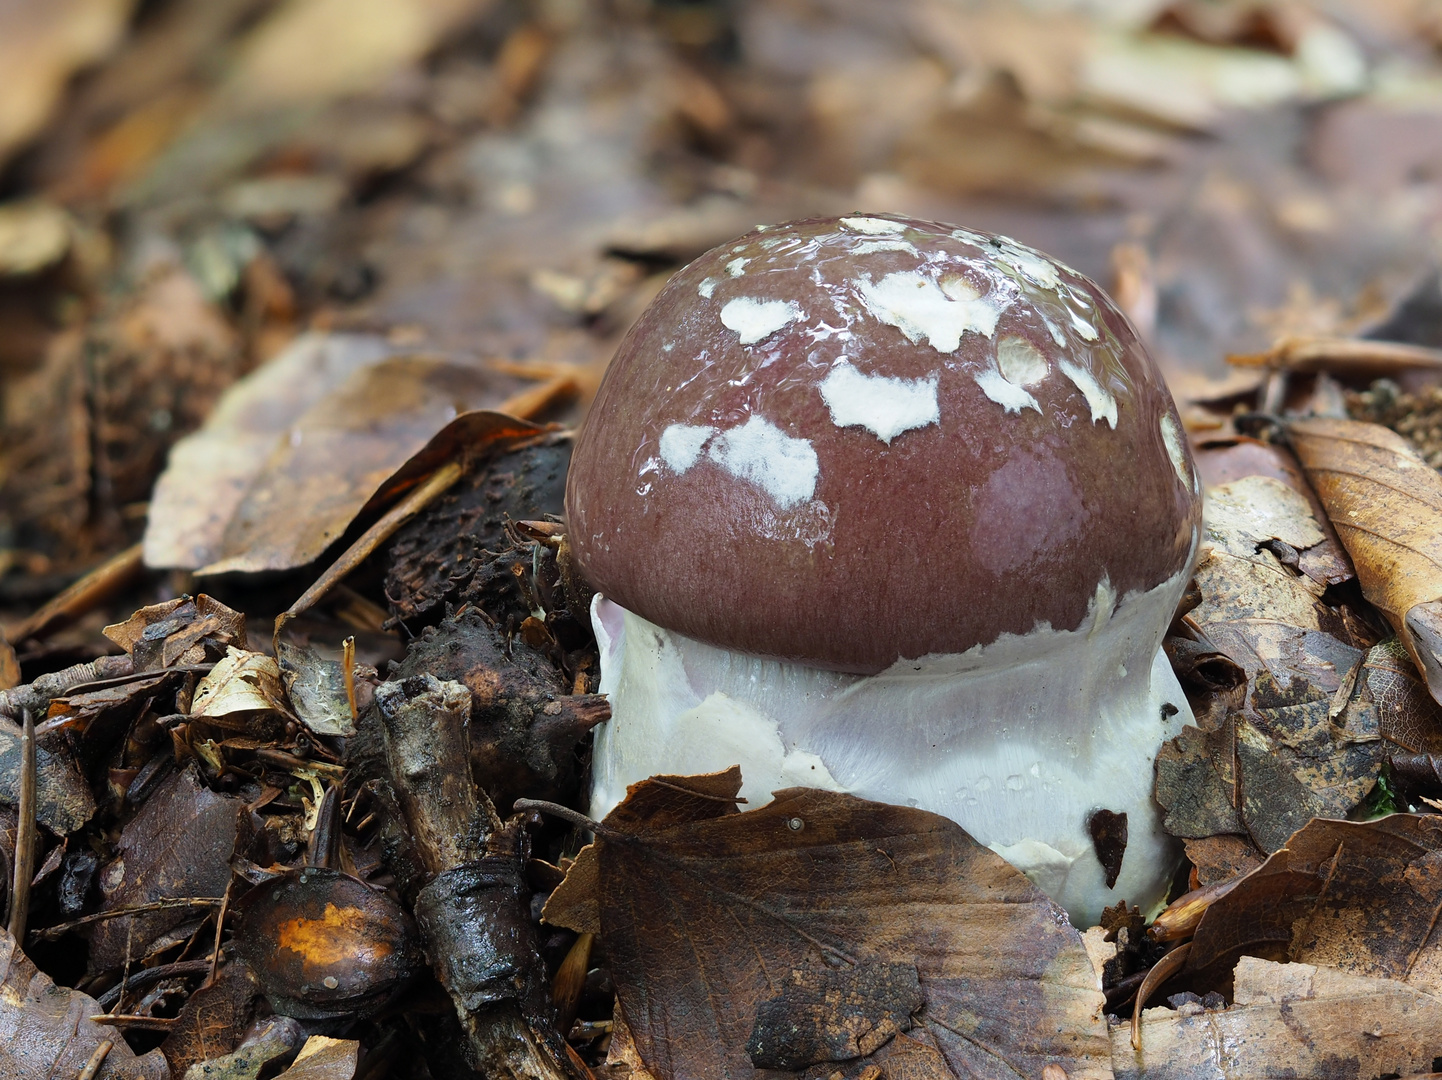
[(181, 969), (219, 929), (347, 664), (97, 1059), (565, 813), (24, 833), (153, 1023), (36, 696), (55, 933)]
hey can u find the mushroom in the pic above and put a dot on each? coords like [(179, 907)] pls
[(901, 509)]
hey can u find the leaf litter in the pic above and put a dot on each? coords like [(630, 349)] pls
[(820, 928), (470, 211)]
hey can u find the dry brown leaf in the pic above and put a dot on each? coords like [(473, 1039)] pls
[(243, 682), (709, 916), (209, 471), (178, 631), (340, 452), (324, 1058), (1362, 897), (46, 1032), (178, 845), (1386, 504), (1289, 1020)]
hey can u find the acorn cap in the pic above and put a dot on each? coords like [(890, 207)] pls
[(852, 441)]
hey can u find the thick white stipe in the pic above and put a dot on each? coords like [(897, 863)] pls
[(1018, 741)]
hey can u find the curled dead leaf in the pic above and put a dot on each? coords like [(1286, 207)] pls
[(1386, 504)]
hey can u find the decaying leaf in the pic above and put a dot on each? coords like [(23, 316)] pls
[(177, 846), (338, 454), (244, 682), (1320, 711), (213, 1019), (709, 916), (316, 688), (1363, 897), (46, 1032), (63, 800), (1386, 504), (324, 1058), (210, 470), (1289, 1020), (179, 632)]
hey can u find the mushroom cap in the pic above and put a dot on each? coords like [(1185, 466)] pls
[(852, 441)]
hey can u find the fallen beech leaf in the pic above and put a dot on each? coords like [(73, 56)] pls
[(1289, 1020), (242, 682), (1386, 504), (46, 1032), (339, 452), (178, 845), (209, 470), (706, 920), (1362, 897)]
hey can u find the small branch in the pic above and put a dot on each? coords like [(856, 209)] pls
[(36, 696), (55, 933), (145, 1023), (24, 833), (182, 969), (565, 813), (97, 1059)]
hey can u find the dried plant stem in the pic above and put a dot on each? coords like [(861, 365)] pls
[(55, 933), (219, 930), (97, 1059), (36, 695), (24, 834), (1163, 970)]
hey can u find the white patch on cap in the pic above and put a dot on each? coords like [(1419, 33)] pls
[(706, 288), (921, 309), (681, 445), (1021, 362), (867, 247), (1084, 328), (754, 320), (761, 453), (1055, 331), (873, 226), (737, 267), (1008, 395), (1176, 449), (1032, 265), (1099, 399), (975, 239), (884, 405)]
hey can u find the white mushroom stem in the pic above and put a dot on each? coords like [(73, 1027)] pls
[(1018, 741)]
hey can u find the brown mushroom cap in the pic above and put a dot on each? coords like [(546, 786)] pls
[(850, 441)]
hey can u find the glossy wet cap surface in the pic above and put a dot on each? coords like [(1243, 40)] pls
[(849, 441)]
